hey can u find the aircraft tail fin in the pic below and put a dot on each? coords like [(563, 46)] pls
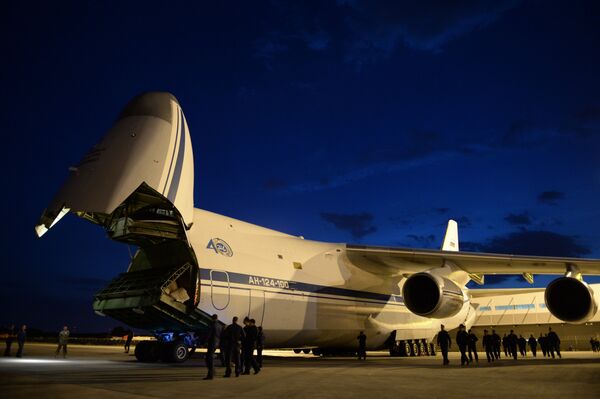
[(451, 238), (144, 162)]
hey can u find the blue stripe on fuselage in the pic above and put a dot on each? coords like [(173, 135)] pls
[(179, 166), (178, 129), (297, 286)]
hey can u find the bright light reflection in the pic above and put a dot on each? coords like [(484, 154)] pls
[(14, 361)]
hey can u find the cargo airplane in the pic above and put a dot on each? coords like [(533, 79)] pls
[(137, 183)]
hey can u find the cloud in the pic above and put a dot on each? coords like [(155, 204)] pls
[(414, 148), (425, 241), (357, 224), (378, 27), (518, 219), (585, 123), (275, 184), (525, 134), (365, 32), (531, 242), (463, 221), (550, 197)]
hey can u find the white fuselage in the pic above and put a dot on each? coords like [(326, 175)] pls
[(303, 293)]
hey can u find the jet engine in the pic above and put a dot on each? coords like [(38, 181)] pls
[(571, 300), (426, 294)]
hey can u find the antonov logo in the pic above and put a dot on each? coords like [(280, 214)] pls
[(220, 247)]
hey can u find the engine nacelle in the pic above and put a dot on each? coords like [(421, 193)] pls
[(428, 295), (571, 300)]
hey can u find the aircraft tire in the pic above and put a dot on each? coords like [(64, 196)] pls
[(414, 349), (306, 351), (406, 348), (431, 349), (175, 352), (297, 351)]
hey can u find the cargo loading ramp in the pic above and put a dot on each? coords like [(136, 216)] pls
[(155, 299)]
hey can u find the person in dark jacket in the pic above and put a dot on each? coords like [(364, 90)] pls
[(223, 347), (249, 344), (462, 340), (532, 345), (128, 341), (473, 346), (522, 342), (260, 345), (21, 338), (488, 345), (543, 346), (496, 342), (233, 335), (362, 346), (11, 334), (444, 341), (63, 341), (512, 341), (553, 343), (212, 343), (505, 345)]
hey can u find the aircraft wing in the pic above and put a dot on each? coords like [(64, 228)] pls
[(398, 261)]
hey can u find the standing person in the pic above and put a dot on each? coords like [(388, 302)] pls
[(249, 344), (444, 341), (128, 340), (362, 346), (473, 346), (11, 333), (63, 341), (505, 345), (488, 345), (214, 335), (260, 345), (246, 323), (532, 345), (522, 346), (553, 343), (233, 335), (462, 340), (21, 338), (542, 342), (224, 347), (496, 342), (512, 344)]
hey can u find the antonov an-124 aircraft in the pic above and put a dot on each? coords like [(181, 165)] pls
[(138, 183)]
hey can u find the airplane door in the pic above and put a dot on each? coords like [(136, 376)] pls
[(219, 289), (257, 306)]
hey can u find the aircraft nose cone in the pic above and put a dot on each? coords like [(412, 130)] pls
[(157, 104)]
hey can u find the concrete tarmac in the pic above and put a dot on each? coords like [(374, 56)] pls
[(106, 372)]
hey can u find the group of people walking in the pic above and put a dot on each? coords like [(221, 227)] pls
[(467, 344), (237, 345)]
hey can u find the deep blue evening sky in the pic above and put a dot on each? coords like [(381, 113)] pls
[(346, 121)]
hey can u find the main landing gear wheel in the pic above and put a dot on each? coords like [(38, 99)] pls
[(176, 352), (407, 351), (306, 351)]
